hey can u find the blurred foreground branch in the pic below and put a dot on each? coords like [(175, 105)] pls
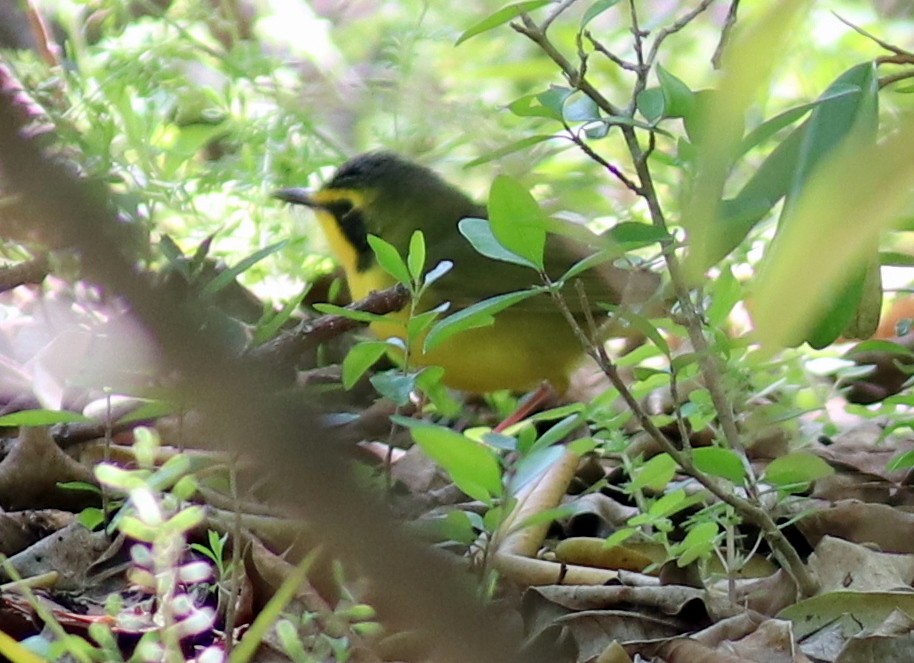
[(416, 587)]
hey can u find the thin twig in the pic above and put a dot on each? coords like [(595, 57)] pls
[(748, 510), (609, 55), (725, 32), (884, 44), (675, 27), (894, 78), (611, 168), (530, 30), (555, 13)]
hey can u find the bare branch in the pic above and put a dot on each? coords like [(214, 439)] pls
[(725, 33), (612, 169), (612, 57), (884, 44), (748, 511), (678, 25), (555, 13), (533, 32), (894, 78)]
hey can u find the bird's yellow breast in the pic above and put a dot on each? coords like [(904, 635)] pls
[(518, 351)]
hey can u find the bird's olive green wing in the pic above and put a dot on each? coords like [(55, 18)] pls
[(475, 277)]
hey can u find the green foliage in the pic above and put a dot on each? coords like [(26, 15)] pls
[(749, 176)]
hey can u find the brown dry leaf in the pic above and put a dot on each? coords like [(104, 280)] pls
[(771, 642), (589, 551), (767, 596), (20, 529), (70, 552), (841, 565), (893, 640), (686, 650), (597, 616), (31, 472), (886, 527)]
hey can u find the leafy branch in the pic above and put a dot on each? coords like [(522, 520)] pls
[(643, 185)]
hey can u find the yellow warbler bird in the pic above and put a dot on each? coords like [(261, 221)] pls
[(380, 193)]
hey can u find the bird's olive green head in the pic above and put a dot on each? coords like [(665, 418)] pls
[(383, 194)]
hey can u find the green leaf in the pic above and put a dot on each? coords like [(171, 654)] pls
[(500, 17), (227, 276), (558, 432), (599, 258), (651, 104), (510, 148), (419, 322), (416, 258), (699, 542), (635, 235), (716, 125), (394, 384), (390, 259), (668, 504), (149, 410), (268, 327), (640, 323), (895, 259), (580, 108), (359, 359), (725, 292), (479, 314), (479, 233), (800, 467), (769, 127), (552, 101), (655, 474), (619, 537), (91, 517), (533, 466), (848, 204), (678, 99), (531, 105), (596, 9), (719, 462), (42, 418), (902, 461), (882, 346), (516, 220), (472, 466)]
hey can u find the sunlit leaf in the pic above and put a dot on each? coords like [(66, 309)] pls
[(655, 474), (720, 463), (42, 418), (516, 220), (500, 17), (389, 259), (595, 9), (360, 358), (472, 466), (479, 233), (223, 278), (800, 467)]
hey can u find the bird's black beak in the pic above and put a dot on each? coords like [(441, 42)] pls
[(297, 196)]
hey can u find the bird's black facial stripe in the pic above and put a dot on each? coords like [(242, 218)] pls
[(352, 225)]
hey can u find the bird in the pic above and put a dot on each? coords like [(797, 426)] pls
[(390, 196)]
